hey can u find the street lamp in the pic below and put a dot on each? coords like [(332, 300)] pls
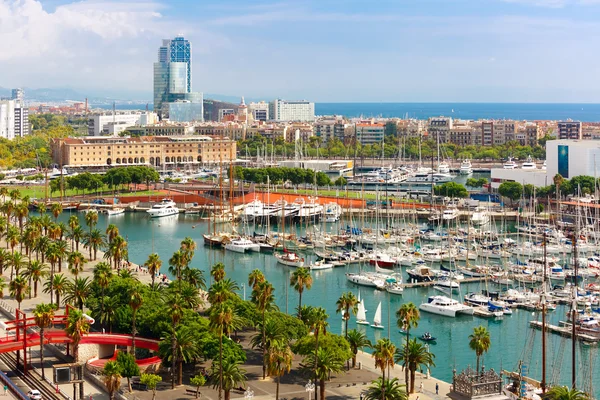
[(249, 393), (244, 288), (310, 389), (428, 370)]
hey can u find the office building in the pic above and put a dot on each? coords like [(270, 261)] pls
[(21, 120), (283, 110), (368, 132), (569, 130), (259, 111), (114, 124), (168, 152), (14, 119), (18, 94), (173, 82)]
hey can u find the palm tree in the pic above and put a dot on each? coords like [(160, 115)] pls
[(106, 311), (73, 221), (112, 377), (135, 302), (18, 288), (43, 315), (46, 222), (187, 247), (480, 342), (279, 362), (194, 277), (57, 286), (153, 264), (94, 240), (77, 326), (35, 272), (300, 280), (62, 248), (177, 263), (383, 353), (17, 261), (347, 303), (3, 286), (78, 291), (76, 261), (111, 232), (3, 193), (77, 234), (273, 335), (222, 322), (221, 291), (407, 317), (41, 247), (12, 238), (56, 209), (565, 393), (179, 346), (218, 272), (8, 209), (228, 375), (255, 277), (4, 260), (391, 390), (319, 324), (264, 299), (21, 212), (91, 219), (414, 356), (327, 362), (116, 250), (357, 340)]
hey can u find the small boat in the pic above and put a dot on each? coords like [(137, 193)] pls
[(115, 211), (290, 259), (466, 167), (426, 337), (377, 318), (510, 164), (319, 265), (164, 208), (361, 315), (528, 164), (242, 245)]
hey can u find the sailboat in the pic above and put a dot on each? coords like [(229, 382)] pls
[(377, 318), (361, 315)]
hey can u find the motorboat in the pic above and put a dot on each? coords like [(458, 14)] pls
[(377, 318), (480, 217), (290, 259), (426, 337), (528, 164), (115, 211), (164, 208), (466, 168), (312, 209), (421, 273), (333, 211), (476, 299), (450, 214), (443, 168), (369, 279), (442, 305), (510, 164), (393, 284), (319, 265), (447, 283), (383, 260), (242, 245)]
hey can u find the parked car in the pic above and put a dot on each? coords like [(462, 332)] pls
[(34, 394)]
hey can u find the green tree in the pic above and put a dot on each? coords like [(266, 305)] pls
[(407, 317), (264, 299), (383, 353), (480, 342), (300, 280), (78, 291), (357, 340), (346, 304), (511, 190), (255, 277), (218, 272), (565, 393), (326, 363), (57, 285), (135, 302), (476, 182), (77, 326), (279, 362), (414, 355), (390, 389), (128, 367), (185, 349), (151, 381), (35, 272), (222, 322), (451, 189), (43, 315), (76, 261), (18, 289), (94, 240), (153, 264), (198, 380), (228, 375), (112, 378)]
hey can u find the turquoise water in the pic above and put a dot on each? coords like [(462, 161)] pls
[(512, 339)]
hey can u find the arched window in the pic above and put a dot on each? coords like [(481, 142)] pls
[(178, 159), (157, 161), (130, 161), (136, 160), (151, 160), (199, 158), (108, 161), (143, 160), (118, 161), (167, 160)]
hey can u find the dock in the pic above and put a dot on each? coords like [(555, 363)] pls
[(566, 331), (433, 283)]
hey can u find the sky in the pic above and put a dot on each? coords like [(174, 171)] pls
[(321, 50)]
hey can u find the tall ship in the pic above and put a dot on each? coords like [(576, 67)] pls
[(164, 208)]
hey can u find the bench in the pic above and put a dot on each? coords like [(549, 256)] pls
[(190, 391), (139, 386)]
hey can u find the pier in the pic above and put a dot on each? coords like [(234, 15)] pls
[(566, 331), (433, 283)]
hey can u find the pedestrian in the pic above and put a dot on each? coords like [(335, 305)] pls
[(5, 389), (417, 398), (421, 388), (437, 388)]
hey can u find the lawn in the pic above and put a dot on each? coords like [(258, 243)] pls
[(38, 192)]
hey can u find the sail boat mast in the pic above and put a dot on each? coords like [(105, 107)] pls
[(574, 312), (543, 383)]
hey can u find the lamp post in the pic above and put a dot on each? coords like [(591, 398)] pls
[(428, 371), (249, 394), (310, 389), (244, 288)]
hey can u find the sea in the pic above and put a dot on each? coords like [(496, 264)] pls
[(586, 112), (512, 339)]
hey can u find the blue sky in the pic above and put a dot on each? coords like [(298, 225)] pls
[(402, 50)]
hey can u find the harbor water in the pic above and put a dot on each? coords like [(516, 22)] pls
[(513, 340)]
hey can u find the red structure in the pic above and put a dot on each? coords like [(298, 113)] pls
[(21, 340)]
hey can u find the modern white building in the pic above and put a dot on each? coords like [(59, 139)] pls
[(114, 124), (573, 157), (283, 110), (14, 119), (259, 110)]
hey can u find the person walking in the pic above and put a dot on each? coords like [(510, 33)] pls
[(421, 388), (437, 388)]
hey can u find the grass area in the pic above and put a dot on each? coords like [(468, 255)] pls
[(39, 192)]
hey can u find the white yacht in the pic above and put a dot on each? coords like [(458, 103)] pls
[(466, 168), (480, 217), (445, 306), (290, 259), (528, 164), (510, 164), (333, 211), (443, 168), (164, 208), (242, 245), (115, 211), (437, 177), (287, 210), (311, 209), (253, 210), (450, 214)]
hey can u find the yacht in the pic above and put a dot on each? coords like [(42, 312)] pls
[(311, 209), (242, 245), (450, 214), (480, 217), (443, 168), (290, 259), (466, 168), (510, 164), (164, 208), (287, 210), (115, 211), (421, 273), (445, 306), (436, 177), (253, 210), (528, 164), (333, 211)]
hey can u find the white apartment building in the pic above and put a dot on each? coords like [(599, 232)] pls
[(113, 124), (259, 110), (14, 119), (369, 132), (283, 110)]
